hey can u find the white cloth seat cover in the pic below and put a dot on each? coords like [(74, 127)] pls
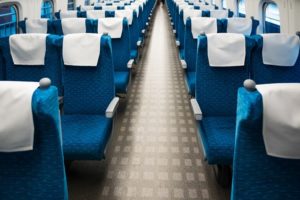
[(68, 14), (190, 13), (112, 26), (226, 49), (281, 119), (219, 14), (81, 49), (28, 49), (73, 25), (95, 14), (280, 49), (16, 127), (36, 26), (205, 25), (128, 14), (239, 25)]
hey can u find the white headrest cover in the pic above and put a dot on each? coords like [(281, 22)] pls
[(112, 25), (219, 14), (125, 13), (109, 8), (68, 14), (280, 49), (81, 49), (16, 128), (281, 119), (184, 6), (95, 14), (226, 49), (203, 25), (133, 7), (239, 25), (187, 12), (36, 25), (28, 49), (86, 8), (73, 25)]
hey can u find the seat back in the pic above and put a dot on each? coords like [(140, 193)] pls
[(216, 87), (73, 25), (257, 175), (241, 25), (89, 90), (67, 14), (36, 26), (34, 72), (268, 73), (38, 173), (190, 38)]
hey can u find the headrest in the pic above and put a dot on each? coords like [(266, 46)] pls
[(68, 14), (281, 119), (28, 49), (81, 49), (36, 25), (187, 12), (95, 14), (113, 26), (205, 25), (219, 14), (280, 49), (119, 4), (125, 13), (133, 8), (109, 8), (86, 8), (16, 127), (226, 49), (73, 25), (183, 7), (239, 25)]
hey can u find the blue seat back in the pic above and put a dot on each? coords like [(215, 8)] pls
[(190, 50), (216, 87), (51, 69), (272, 74), (255, 174), (50, 28), (134, 32), (89, 90), (89, 23), (37, 174)]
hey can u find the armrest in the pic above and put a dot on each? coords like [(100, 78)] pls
[(112, 107), (149, 18), (130, 63), (139, 43), (196, 110), (147, 24), (174, 31), (143, 31), (172, 23), (177, 43), (183, 64)]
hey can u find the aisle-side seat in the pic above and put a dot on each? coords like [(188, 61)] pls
[(31, 168), (42, 59), (256, 173), (73, 25), (196, 26), (36, 26), (89, 96), (117, 29), (218, 76)]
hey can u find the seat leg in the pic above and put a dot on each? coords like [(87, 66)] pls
[(223, 175)]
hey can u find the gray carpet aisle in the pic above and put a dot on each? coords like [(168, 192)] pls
[(153, 153)]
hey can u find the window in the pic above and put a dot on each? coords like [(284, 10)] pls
[(224, 4), (8, 20), (271, 18), (241, 8), (71, 5), (87, 2), (47, 9)]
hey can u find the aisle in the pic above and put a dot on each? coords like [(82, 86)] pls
[(153, 153)]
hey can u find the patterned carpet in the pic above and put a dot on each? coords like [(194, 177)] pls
[(154, 152)]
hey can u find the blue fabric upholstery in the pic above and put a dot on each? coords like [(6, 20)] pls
[(272, 74), (37, 174), (255, 174), (50, 29), (218, 134), (89, 23), (216, 93), (121, 56), (2, 67), (190, 52), (51, 69), (85, 136), (88, 92), (134, 36)]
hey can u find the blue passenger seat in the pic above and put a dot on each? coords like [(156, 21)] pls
[(36, 26)]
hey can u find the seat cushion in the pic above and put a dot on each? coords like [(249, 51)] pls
[(191, 81), (121, 81), (133, 54), (218, 136), (85, 136)]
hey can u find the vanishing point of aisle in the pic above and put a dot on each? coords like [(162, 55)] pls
[(153, 152)]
